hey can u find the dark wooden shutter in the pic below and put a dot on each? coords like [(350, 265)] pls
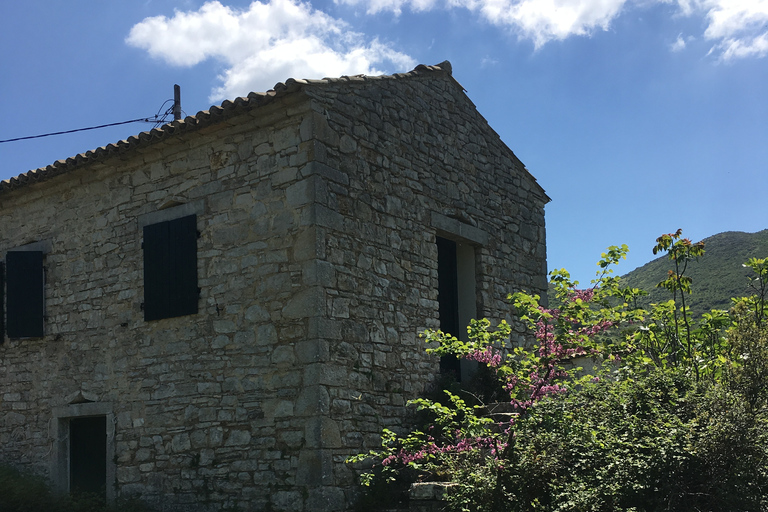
[(25, 294), (155, 276), (183, 291), (170, 268), (2, 302)]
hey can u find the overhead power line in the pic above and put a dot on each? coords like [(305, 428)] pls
[(143, 119), (157, 119)]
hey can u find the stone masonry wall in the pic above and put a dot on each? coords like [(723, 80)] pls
[(208, 407), (317, 266), (406, 150)]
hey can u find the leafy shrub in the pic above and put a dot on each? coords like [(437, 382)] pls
[(656, 441), (675, 417), (25, 492)]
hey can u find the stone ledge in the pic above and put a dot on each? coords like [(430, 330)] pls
[(437, 491), (460, 229)]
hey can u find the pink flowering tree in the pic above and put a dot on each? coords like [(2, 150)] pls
[(594, 324), (581, 324), (600, 327), (576, 326)]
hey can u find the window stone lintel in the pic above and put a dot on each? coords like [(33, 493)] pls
[(175, 212), (457, 229)]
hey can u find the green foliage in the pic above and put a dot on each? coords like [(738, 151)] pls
[(755, 303), (25, 492), (657, 441), (669, 337), (452, 428), (747, 369), (673, 416)]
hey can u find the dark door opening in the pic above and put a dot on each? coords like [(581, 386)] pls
[(88, 454), (448, 299)]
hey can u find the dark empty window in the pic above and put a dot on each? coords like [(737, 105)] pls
[(170, 268), (25, 295)]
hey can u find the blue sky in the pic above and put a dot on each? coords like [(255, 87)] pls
[(637, 117)]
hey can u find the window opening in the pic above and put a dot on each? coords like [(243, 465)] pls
[(25, 294)]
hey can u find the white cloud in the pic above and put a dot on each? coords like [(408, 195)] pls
[(730, 17), (487, 62), (678, 45), (264, 44), (394, 6), (545, 20), (538, 20), (738, 27), (741, 48)]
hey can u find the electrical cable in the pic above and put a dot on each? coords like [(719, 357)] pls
[(143, 119), (159, 120)]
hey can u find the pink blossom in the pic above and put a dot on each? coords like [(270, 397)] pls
[(584, 295), (488, 356)]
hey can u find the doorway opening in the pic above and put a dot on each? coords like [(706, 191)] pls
[(88, 455), (457, 298), (83, 459)]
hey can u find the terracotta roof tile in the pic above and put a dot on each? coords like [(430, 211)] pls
[(203, 118)]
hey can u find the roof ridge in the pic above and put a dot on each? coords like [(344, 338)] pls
[(214, 114)]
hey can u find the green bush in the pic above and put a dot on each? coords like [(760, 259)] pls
[(25, 492), (675, 417), (658, 441)]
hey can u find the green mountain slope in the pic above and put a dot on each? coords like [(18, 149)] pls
[(717, 276)]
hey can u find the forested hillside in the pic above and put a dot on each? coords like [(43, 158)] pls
[(717, 276)]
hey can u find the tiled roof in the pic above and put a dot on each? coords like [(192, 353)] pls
[(204, 118)]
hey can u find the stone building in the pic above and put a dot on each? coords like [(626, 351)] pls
[(217, 312)]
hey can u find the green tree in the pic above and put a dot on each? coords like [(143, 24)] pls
[(673, 417)]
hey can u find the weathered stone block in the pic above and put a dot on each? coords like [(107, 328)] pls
[(326, 498), (304, 303), (238, 438), (315, 468), (287, 501), (322, 432)]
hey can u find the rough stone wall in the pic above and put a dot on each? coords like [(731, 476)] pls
[(208, 407), (317, 266), (407, 151)]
